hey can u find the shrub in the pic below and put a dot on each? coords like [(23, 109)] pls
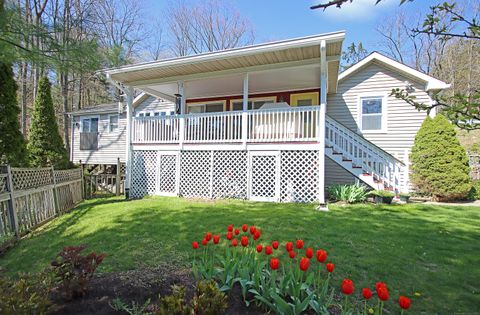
[(74, 271), (27, 295), (474, 193), (439, 163), (208, 299), (347, 193)]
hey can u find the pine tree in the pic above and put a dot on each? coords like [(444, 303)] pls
[(12, 144), (45, 145), (439, 163)]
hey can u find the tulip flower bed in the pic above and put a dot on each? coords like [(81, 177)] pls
[(288, 278)]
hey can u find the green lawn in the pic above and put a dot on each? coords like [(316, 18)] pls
[(432, 250)]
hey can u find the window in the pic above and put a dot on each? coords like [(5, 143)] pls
[(304, 99), (253, 103), (212, 107), (90, 124), (372, 113), (112, 123)]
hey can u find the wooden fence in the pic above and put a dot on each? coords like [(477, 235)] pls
[(100, 185), (30, 197)]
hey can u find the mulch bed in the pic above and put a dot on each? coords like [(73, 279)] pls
[(139, 286)]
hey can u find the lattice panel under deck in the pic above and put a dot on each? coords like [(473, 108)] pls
[(299, 176), (195, 174), (23, 178), (263, 176), (166, 173), (230, 174), (144, 170)]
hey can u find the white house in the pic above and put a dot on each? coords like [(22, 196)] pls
[(272, 122)]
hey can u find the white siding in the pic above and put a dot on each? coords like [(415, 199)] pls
[(403, 120), (111, 145), (152, 104), (335, 174)]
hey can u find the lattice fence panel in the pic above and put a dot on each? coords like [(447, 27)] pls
[(23, 178), (263, 176), (166, 175), (195, 174), (230, 174), (144, 170), (62, 176), (299, 176), (3, 183)]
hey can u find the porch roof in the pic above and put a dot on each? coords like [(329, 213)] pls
[(273, 55)]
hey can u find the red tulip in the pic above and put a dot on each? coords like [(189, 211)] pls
[(229, 236), (347, 286), (330, 267), (292, 254), (274, 263), (237, 231), (208, 236), (244, 241), (234, 242), (252, 229), (367, 293), (204, 242), (309, 252), (194, 245), (380, 284), (275, 244), (304, 263), (383, 293), (259, 248), (299, 244), (216, 239), (256, 235), (289, 246), (244, 228), (321, 255), (404, 302), (268, 250), (230, 228)]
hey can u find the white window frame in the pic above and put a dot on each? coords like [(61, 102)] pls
[(89, 117), (110, 123), (384, 97)]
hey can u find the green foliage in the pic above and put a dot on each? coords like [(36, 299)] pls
[(29, 294), (439, 163), (45, 144), (208, 299), (174, 303), (347, 193), (474, 193), (382, 193), (12, 145), (74, 271), (134, 309), (352, 55)]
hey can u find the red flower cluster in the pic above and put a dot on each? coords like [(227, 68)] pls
[(382, 291), (347, 286)]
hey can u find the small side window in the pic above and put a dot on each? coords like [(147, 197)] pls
[(372, 113), (113, 123)]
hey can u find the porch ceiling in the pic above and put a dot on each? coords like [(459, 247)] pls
[(281, 54)]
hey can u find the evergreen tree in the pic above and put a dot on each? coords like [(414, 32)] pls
[(12, 144), (45, 145), (439, 163)]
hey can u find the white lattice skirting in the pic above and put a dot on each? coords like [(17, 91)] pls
[(286, 176)]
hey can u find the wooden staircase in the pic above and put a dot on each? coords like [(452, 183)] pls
[(375, 167)]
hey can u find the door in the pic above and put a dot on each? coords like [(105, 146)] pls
[(264, 175), (306, 99), (167, 173)]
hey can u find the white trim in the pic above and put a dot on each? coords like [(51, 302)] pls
[(384, 97), (235, 52), (90, 117), (431, 82)]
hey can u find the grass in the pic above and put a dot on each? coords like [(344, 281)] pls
[(433, 250)]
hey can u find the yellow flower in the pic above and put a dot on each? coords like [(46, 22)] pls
[(371, 311), (417, 294)]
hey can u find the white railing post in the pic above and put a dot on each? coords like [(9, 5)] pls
[(181, 88), (245, 111), (128, 157), (323, 110)]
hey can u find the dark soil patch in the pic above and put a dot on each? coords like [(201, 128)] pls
[(138, 286)]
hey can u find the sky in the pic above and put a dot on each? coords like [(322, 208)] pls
[(282, 19)]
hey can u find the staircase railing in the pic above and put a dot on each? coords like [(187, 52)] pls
[(364, 154)]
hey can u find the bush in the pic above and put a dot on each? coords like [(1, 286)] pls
[(27, 295), (439, 163), (474, 193), (347, 193), (74, 271)]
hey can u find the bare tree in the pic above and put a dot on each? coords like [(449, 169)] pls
[(210, 26)]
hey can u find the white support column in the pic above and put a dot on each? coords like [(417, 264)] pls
[(181, 89), (323, 110), (128, 157), (244, 113)]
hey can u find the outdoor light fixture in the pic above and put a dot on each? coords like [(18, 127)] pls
[(178, 102)]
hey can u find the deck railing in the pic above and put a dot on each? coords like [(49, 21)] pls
[(272, 125)]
